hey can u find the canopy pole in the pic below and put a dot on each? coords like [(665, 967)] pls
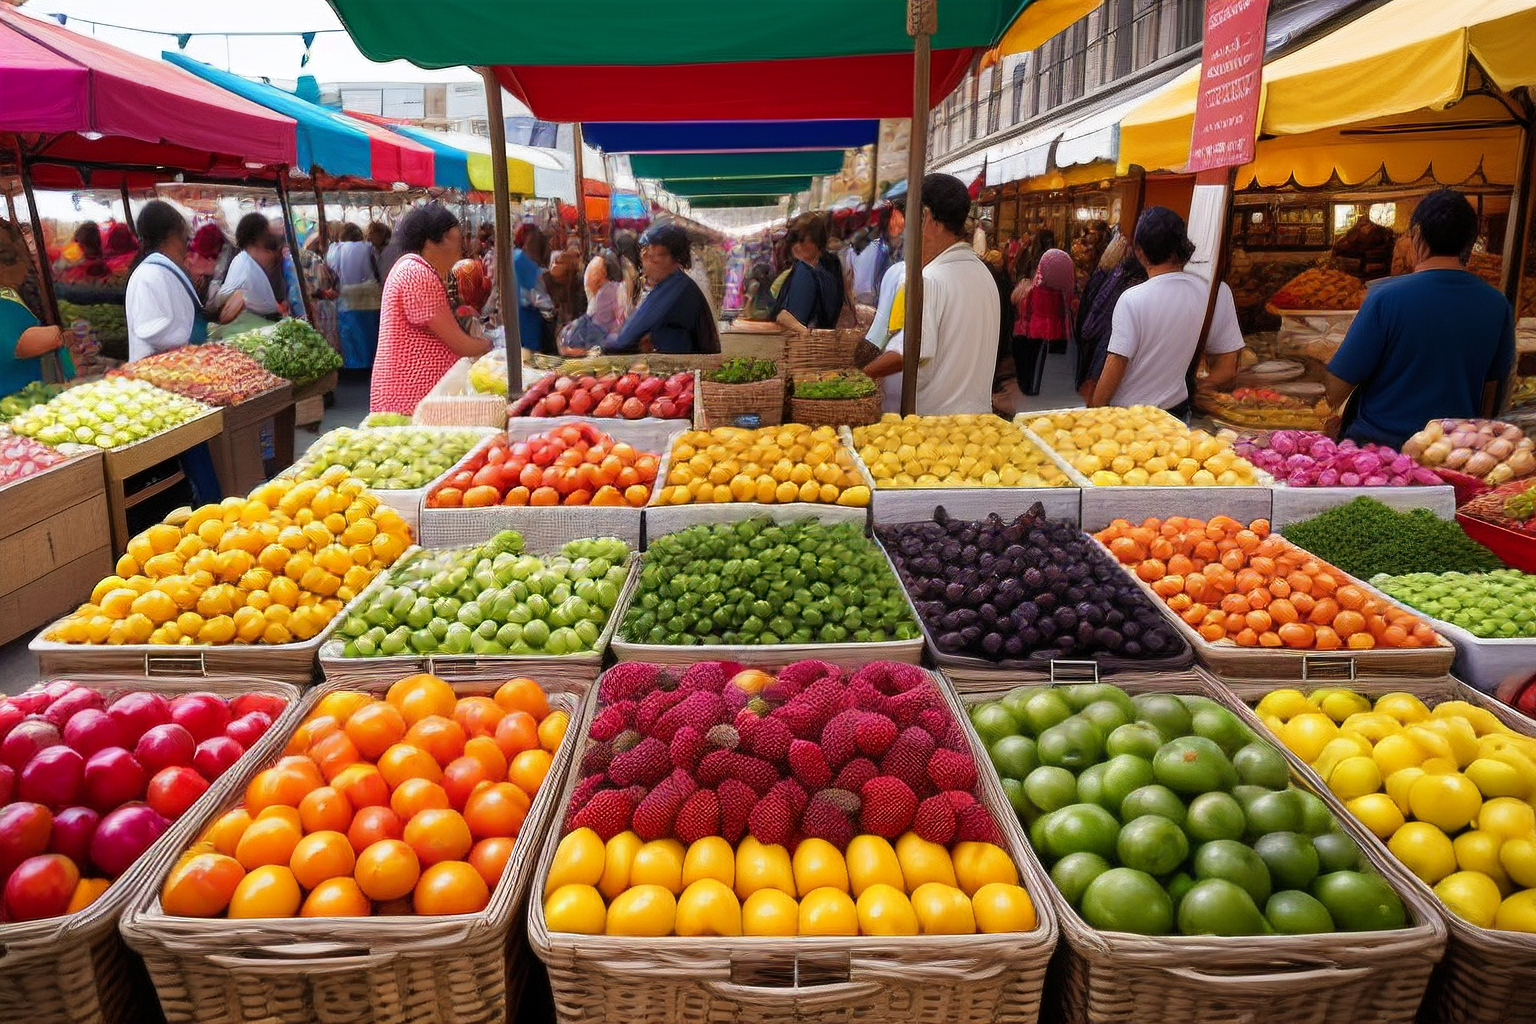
[(293, 246), (922, 22), (506, 280), (325, 233), (579, 143), (39, 247), (874, 171), (1519, 215), (127, 207)]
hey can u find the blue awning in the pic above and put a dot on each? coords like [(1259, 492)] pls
[(450, 164), (728, 136)]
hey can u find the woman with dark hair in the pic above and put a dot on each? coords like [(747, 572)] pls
[(1156, 329), (811, 296), (603, 284), (419, 337), (527, 268), (250, 271), (162, 307), (1044, 305), (358, 280), (1117, 272), (626, 245), (24, 340), (675, 315)]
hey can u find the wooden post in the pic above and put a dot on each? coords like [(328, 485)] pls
[(325, 234), (922, 22), (874, 170), (39, 247), (293, 245), (506, 279), (127, 207), (1520, 221), (579, 143)]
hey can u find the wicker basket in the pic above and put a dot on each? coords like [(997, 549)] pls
[(1485, 977), (949, 979), (1354, 977), (373, 970), (721, 404), (818, 351), (835, 412), (75, 969)]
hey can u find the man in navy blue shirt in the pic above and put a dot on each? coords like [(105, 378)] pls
[(1436, 343), (675, 314)]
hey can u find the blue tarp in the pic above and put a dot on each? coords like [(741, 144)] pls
[(728, 136), (450, 165), (627, 205)]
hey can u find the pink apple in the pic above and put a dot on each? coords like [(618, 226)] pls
[(73, 828), (41, 887), (72, 703), (24, 832), (249, 728), (113, 777), (214, 756), (30, 736), (138, 713), (201, 714), (91, 730), (165, 746), (53, 777)]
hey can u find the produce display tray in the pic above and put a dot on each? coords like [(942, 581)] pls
[(451, 403), (67, 970), (918, 979), (129, 459), (660, 519), (571, 671), (1294, 504), (403, 970), (1359, 977), (647, 434), (1229, 661), (1515, 548)]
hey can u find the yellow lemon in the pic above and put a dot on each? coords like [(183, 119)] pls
[(579, 860), (1001, 907), (1471, 896), (885, 910), (828, 911), (708, 907), (922, 862), (1424, 850), (1354, 777), (1448, 801), (642, 910), (575, 908), (1477, 850), (659, 862), (1377, 812), (1307, 734), (981, 864), (1495, 778), (1396, 752), (1518, 859), (1370, 725), (618, 856), (770, 912), (1507, 817), (1517, 913), (943, 910), (1404, 707), (761, 866), (872, 861), (817, 864), (710, 857), (1340, 704)]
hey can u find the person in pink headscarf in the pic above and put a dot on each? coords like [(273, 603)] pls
[(1045, 316)]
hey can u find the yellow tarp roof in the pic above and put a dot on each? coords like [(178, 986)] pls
[(1040, 21), (1404, 56)]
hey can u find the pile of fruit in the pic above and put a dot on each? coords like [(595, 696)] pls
[(834, 384), (629, 395), (772, 465), (390, 459), (1305, 458), (1499, 605), (1141, 446), (35, 393), (1163, 814), (87, 785), (953, 451), (215, 374), (22, 456), (803, 804), (492, 599), (385, 419), (1031, 587), (1366, 538), (106, 413), (1511, 505), (1320, 288), (292, 349), (1447, 789), (1245, 585), (410, 804), (488, 374), (269, 569), (760, 582), (576, 464), (1491, 450)]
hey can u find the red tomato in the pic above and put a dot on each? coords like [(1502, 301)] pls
[(41, 887), (495, 455), (173, 790), (521, 450), (542, 454), (531, 476), (487, 476), (481, 496), (463, 480), (516, 496)]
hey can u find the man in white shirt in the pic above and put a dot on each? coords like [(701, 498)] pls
[(260, 250), (960, 311), (1157, 324)]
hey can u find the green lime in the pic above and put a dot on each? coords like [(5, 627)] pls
[(993, 722), (1336, 852), (1014, 757), (1259, 764), (1127, 900), (1090, 787), (1290, 857), (1075, 871), (1316, 818), (1274, 812), (1153, 799), (1166, 712), (1016, 699), (1215, 906), (1221, 727), (1081, 695), (1153, 844), (1179, 886), (1124, 775), (1140, 739), (1081, 828), (1037, 831), (1238, 864), (1045, 709), (1106, 716), (1073, 744), (1050, 788), (1295, 913), (1214, 816), (1193, 764), (1019, 800), (1360, 902)]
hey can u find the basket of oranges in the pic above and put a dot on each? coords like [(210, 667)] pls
[(250, 585), (373, 870)]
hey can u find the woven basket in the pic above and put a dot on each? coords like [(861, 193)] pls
[(1485, 977), (818, 351), (835, 412), (371, 970), (1340, 978), (76, 969), (948, 979), (721, 404)]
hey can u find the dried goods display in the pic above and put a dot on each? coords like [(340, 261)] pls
[(106, 413), (1164, 815), (953, 451), (1491, 450), (1320, 289), (1366, 538), (770, 464), (91, 783), (1305, 458), (1141, 446), (407, 805), (1263, 407), (292, 349), (215, 374), (390, 459), (631, 395), (576, 464), (1254, 278), (802, 803), (21, 457)]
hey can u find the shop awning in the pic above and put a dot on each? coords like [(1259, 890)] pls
[(737, 186), (105, 105), (474, 155), (1040, 21), (341, 146), (729, 136), (1404, 56), (682, 166)]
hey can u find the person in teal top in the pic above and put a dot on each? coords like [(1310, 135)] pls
[(24, 340)]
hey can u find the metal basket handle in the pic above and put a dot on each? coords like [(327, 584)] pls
[(1328, 668), (179, 663)]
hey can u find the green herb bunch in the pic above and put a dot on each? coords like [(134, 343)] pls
[(292, 349), (1366, 538), (835, 384), (744, 371)]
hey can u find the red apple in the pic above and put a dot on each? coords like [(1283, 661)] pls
[(30, 736), (11, 715), (212, 757), (165, 746), (58, 688), (41, 887), (648, 389), (202, 714), (33, 701), (113, 777), (53, 777), (173, 790), (73, 828), (581, 403), (24, 832), (138, 713), (124, 835), (72, 703), (609, 406), (663, 408), (632, 409), (246, 729), (626, 385), (91, 730), (555, 404)]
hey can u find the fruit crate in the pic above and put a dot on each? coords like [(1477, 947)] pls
[(546, 527), (1485, 976), (918, 979), (1106, 977), (844, 655), (570, 671), (451, 403), (237, 450), (76, 969), (1294, 504), (364, 970), (1229, 661)]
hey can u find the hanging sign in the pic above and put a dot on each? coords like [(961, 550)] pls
[(1231, 73)]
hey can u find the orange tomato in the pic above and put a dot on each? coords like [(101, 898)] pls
[(529, 768), (437, 835), (517, 496), (1325, 639), (448, 497), (403, 761), (415, 795), (418, 696), (523, 694), (321, 856), (1323, 612), (1282, 610), (441, 737), (1348, 623), (1297, 634), (481, 496), (267, 841), (363, 785), (1361, 641), (332, 754), (1246, 638), (485, 750), (269, 891), (478, 716), (375, 727), (201, 886), (312, 730), (552, 730), (337, 897), (544, 496), (1151, 570), (491, 856), (1212, 632), (325, 809), (225, 833), (1269, 638), (1350, 597), (1258, 620), (496, 810), (371, 825), (276, 785), (451, 887), (460, 778), (288, 814), (387, 870)]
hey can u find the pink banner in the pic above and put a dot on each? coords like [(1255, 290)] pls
[(1231, 72)]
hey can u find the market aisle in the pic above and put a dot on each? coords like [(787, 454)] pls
[(1056, 391)]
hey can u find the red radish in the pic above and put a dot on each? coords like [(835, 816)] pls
[(165, 746), (124, 835), (173, 790), (632, 408), (113, 777), (92, 730), (58, 688), (53, 777), (24, 832), (72, 703), (73, 828), (564, 385), (246, 729), (138, 713), (33, 701), (24, 742), (213, 757), (202, 714), (41, 887), (599, 392)]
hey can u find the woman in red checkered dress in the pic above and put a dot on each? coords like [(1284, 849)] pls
[(419, 337)]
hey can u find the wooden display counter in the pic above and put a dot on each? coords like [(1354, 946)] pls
[(122, 464), (237, 450), (55, 543), (309, 401)]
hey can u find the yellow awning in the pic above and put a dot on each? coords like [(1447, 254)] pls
[(1404, 56), (482, 174), (1040, 21)]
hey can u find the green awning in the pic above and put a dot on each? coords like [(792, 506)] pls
[(737, 186), (450, 33), (684, 166), (733, 202)]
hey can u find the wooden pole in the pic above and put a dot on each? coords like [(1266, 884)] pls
[(39, 247), (1519, 216), (325, 233), (579, 142), (922, 22), (127, 208), (506, 280), (874, 171), (293, 246)]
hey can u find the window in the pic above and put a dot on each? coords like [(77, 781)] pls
[(973, 103), (1020, 84)]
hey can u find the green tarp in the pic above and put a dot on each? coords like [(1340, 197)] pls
[(733, 202), (683, 166), (737, 186)]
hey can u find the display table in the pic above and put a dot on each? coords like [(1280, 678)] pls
[(237, 451), (126, 462), (54, 542)]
